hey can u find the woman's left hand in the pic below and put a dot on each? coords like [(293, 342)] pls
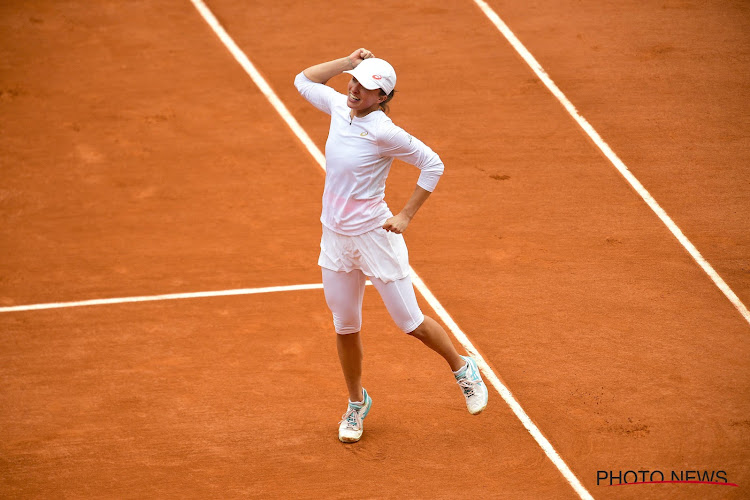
[(397, 224)]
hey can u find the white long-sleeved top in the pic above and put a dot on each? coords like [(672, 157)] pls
[(359, 153)]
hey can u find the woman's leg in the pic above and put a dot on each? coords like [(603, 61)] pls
[(344, 293), (435, 337), (401, 302), (350, 357)]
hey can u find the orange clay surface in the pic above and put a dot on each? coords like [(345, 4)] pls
[(137, 158)]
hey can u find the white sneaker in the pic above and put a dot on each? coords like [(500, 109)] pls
[(472, 385), (350, 427)]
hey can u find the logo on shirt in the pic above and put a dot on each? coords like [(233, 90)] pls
[(363, 134)]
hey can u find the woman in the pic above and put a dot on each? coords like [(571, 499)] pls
[(361, 237)]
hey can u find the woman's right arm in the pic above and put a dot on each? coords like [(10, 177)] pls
[(321, 73)]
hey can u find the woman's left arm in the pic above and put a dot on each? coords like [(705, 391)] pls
[(398, 223), (396, 143)]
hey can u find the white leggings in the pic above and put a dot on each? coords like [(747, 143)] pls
[(344, 293)]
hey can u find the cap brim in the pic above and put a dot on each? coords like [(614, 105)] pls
[(364, 80)]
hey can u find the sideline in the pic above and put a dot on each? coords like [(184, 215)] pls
[(504, 392), (612, 157)]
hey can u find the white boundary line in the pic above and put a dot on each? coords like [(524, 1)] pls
[(258, 79), (618, 164), (504, 392), (170, 296), (418, 283)]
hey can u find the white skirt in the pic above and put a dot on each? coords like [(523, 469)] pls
[(377, 253)]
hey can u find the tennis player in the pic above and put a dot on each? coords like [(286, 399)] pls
[(361, 237)]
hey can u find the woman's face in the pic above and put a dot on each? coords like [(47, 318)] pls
[(362, 99)]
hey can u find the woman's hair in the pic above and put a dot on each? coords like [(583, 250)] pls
[(384, 105)]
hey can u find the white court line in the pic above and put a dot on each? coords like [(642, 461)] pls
[(504, 392), (619, 165), (258, 79), (170, 296), (418, 283)]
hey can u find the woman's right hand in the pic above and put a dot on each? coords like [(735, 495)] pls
[(359, 55), (321, 73)]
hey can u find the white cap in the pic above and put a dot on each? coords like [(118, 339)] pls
[(374, 73)]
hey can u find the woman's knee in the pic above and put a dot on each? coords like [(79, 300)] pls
[(347, 325), (401, 302), (343, 293), (420, 331)]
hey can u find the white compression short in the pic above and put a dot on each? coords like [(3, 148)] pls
[(344, 293)]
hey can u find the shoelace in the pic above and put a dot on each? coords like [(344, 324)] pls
[(352, 419), (467, 386)]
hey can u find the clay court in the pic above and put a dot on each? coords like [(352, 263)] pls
[(139, 159)]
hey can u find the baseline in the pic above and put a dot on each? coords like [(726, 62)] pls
[(504, 392), (612, 157)]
